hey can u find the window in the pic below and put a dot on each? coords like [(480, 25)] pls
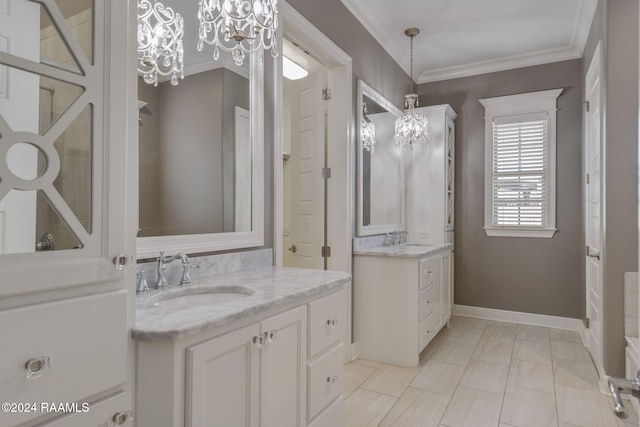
[(520, 167)]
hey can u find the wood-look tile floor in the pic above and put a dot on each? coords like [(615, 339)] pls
[(479, 373)]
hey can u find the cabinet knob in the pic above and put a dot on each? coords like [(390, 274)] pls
[(37, 367), (332, 323), (271, 335), (430, 273), (122, 417), (122, 261), (332, 379), (258, 341)]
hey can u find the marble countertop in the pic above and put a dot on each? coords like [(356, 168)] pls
[(408, 250), (267, 288)]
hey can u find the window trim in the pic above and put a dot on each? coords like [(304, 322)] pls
[(517, 105)]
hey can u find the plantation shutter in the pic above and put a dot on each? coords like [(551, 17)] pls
[(520, 171)]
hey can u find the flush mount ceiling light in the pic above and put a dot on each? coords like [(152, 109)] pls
[(160, 50), (367, 131), (292, 71), (411, 129), (238, 26)]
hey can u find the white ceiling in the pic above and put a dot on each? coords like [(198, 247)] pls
[(466, 37)]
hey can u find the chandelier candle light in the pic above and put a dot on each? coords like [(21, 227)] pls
[(411, 129), (238, 26), (160, 49)]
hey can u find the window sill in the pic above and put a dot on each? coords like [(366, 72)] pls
[(542, 233)]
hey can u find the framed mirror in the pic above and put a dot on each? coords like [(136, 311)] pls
[(201, 159), (380, 165)]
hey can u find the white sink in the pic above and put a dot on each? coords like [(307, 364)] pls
[(206, 295)]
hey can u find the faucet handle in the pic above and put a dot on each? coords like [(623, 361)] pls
[(186, 278), (142, 288)]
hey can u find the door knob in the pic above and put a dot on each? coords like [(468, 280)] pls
[(293, 249)]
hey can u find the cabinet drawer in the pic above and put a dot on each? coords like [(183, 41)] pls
[(325, 381), (99, 414), (80, 346), (427, 330), (326, 322), (426, 302), (330, 417), (429, 272)]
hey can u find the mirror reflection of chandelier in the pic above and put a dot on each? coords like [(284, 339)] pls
[(411, 129), (238, 26), (368, 131), (160, 50)]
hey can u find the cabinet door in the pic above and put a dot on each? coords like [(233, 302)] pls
[(62, 186), (283, 379), (222, 380)]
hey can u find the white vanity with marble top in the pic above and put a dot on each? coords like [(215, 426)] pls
[(256, 347), (402, 298)]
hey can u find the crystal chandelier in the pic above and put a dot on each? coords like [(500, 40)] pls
[(411, 129), (238, 26), (367, 131), (160, 50)]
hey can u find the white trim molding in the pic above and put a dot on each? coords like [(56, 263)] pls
[(524, 107), (532, 319)]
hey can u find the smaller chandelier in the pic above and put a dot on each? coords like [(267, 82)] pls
[(238, 26), (160, 50), (411, 129), (367, 132)]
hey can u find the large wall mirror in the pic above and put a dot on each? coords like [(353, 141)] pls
[(201, 153), (380, 165)]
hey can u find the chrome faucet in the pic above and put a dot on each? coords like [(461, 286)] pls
[(141, 285), (161, 281)]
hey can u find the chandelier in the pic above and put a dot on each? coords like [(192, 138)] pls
[(367, 131), (238, 26), (411, 129), (160, 50)]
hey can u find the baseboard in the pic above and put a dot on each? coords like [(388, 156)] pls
[(521, 318)]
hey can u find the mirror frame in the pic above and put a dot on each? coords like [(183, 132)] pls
[(368, 230), (150, 247)]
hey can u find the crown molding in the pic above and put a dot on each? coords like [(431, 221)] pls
[(382, 34), (500, 64)]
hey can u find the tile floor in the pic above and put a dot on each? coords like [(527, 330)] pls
[(479, 373)]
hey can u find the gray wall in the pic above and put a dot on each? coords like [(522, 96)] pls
[(530, 275), (616, 24)]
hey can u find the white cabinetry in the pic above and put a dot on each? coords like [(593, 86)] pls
[(64, 307), (255, 373), (400, 305), (258, 375), (430, 175)]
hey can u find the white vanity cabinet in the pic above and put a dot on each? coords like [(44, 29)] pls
[(255, 373), (430, 180), (284, 370), (401, 303)]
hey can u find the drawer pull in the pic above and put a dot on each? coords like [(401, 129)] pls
[(332, 323), (332, 379), (122, 417), (37, 367), (259, 341)]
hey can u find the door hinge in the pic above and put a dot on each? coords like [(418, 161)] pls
[(326, 251), (588, 180), (586, 323), (586, 103), (326, 173), (326, 94)]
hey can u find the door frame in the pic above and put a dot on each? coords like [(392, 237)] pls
[(340, 146), (596, 61)]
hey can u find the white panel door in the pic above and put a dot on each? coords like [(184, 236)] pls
[(594, 209), (283, 364), (307, 160), (223, 381)]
